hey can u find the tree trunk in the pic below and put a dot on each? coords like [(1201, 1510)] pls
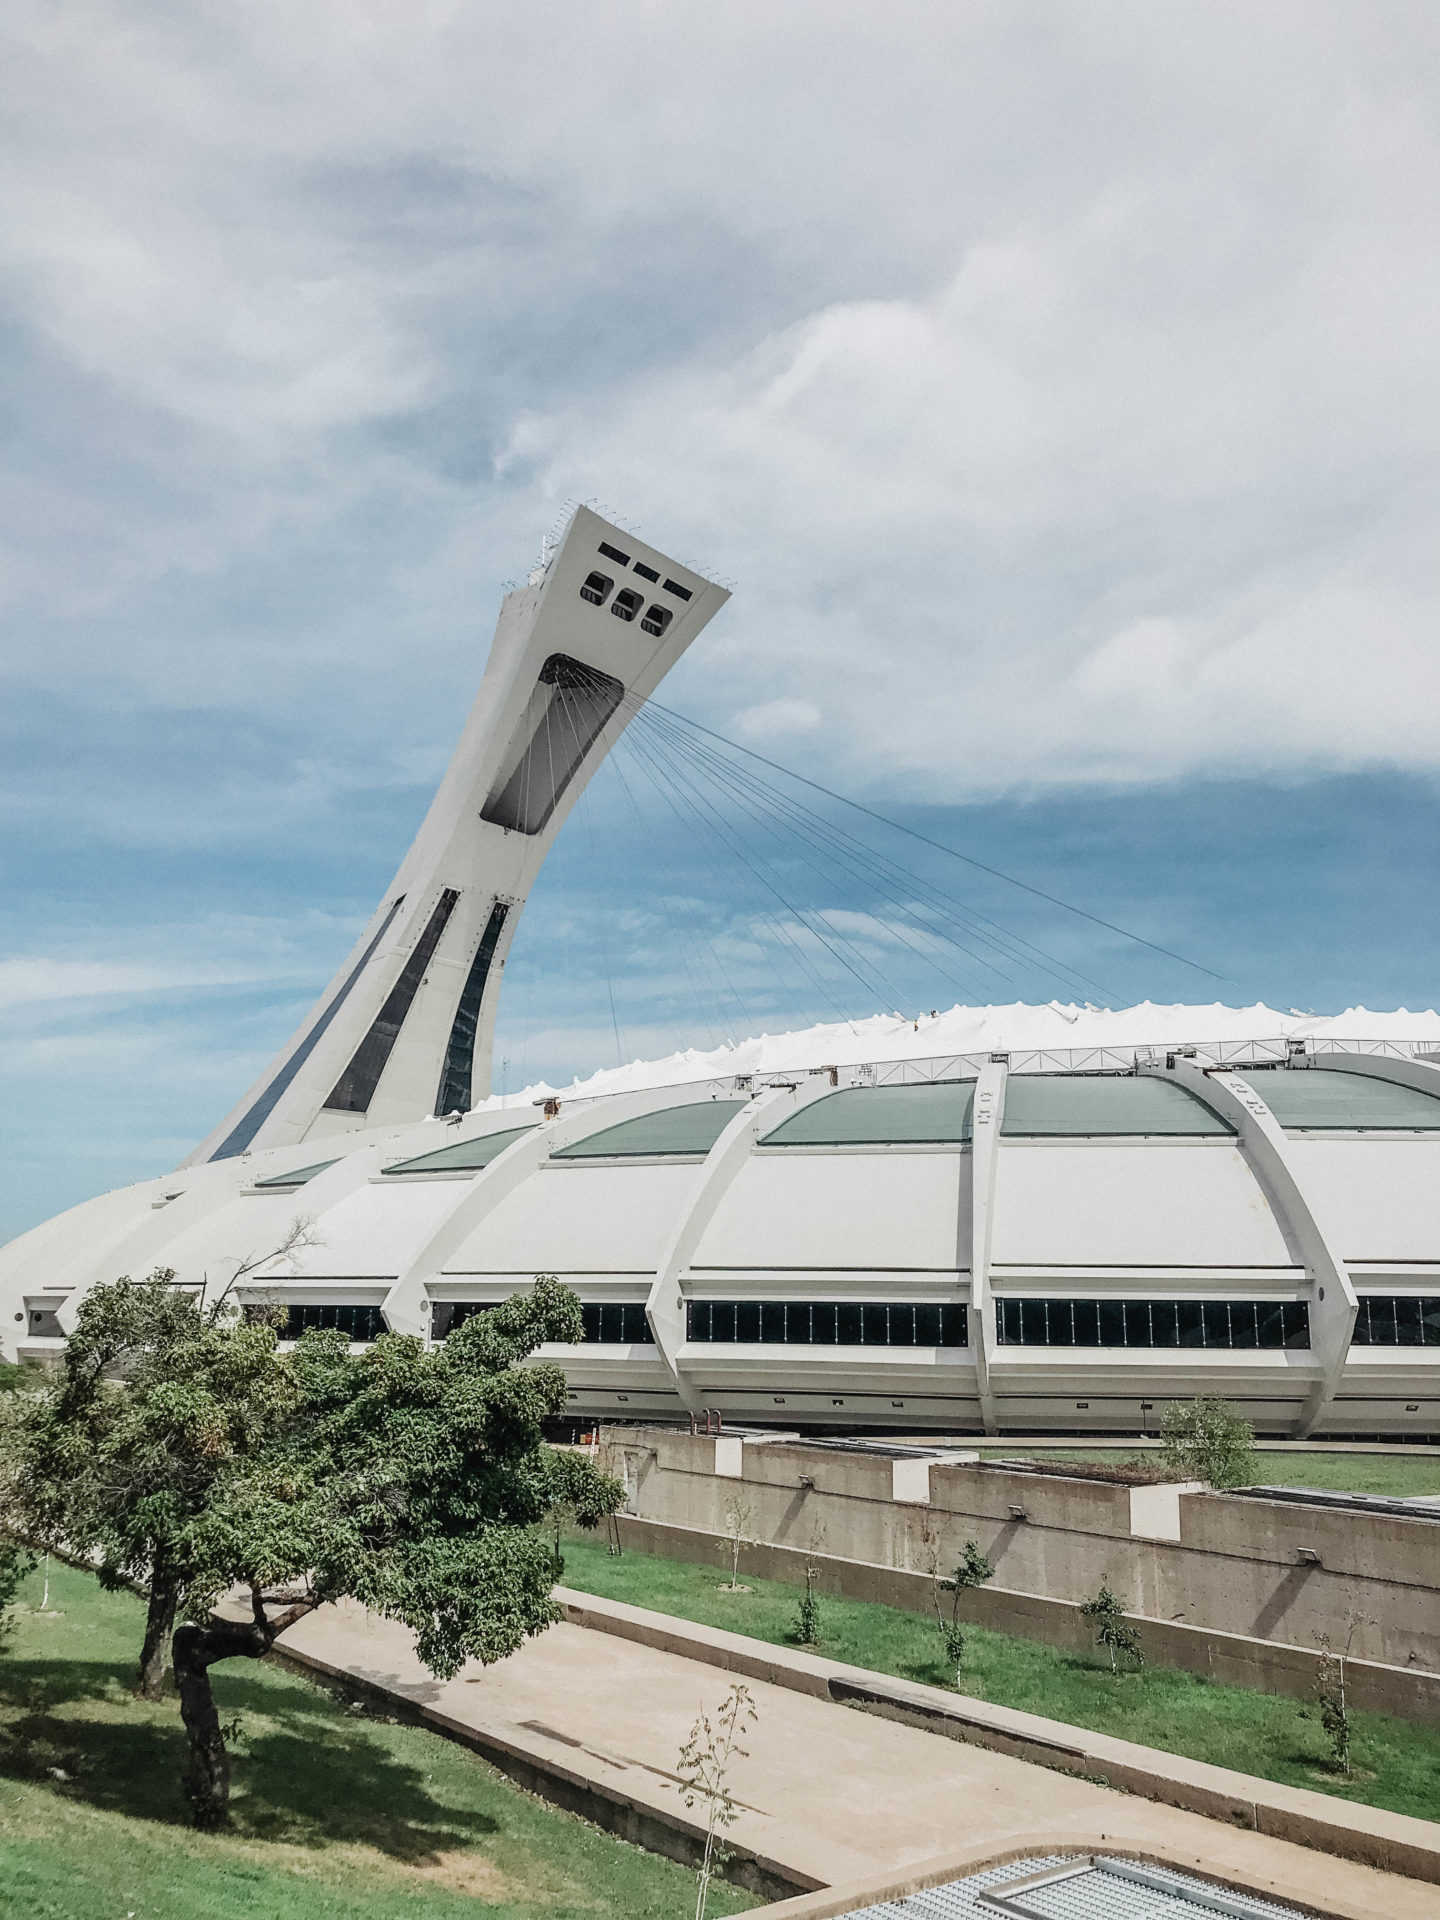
[(159, 1625), (195, 1649)]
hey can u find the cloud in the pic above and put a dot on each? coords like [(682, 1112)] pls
[(1057, 386)]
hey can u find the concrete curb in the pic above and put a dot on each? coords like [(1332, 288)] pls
[(1394, 1842)]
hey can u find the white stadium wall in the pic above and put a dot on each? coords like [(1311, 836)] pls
[(1024, 1219)]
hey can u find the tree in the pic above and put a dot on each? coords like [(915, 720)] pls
[(1207, 1440), (409, 1480), (158, 1397), (1331, 1701), (807, 1620), (1112, 1630), (739, 1524), (704, 1775), (972, 1571)]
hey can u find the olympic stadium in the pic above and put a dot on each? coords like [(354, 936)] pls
[(998, 1220)]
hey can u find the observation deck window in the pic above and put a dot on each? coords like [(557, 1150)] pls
[(596, 588), (657, 618), (627, 604)]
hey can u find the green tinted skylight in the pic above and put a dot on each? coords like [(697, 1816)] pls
[(466, 1156), (933, 1115), (1062, 1105), (297, 1175), (1324, 1097), (691, 1129)]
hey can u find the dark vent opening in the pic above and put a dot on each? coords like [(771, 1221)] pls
[(614, 553), (645, 573), (456, 1079), (355, 1089), (674, 586), (570, 706)]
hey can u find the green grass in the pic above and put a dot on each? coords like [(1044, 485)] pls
[(338, 1814), (1400, 1475), (1397, 1764)]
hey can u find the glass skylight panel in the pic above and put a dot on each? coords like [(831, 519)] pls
[(934, 1115), (1042, 1106), (297, 1175), (1329, 1098), (692, 1129), (466, 1156)]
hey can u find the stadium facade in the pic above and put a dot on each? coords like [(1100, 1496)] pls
[(1065, 1228)]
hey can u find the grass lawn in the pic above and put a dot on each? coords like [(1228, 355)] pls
[(338, 1814), (1397, 1474), (1397, 1765)]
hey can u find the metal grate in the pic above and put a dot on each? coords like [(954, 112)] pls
[(1056, 1888)]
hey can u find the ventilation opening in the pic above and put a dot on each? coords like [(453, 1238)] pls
[(596, 588), (674, 586), (455, 1080), (614, 553), (657, 619), (645, 573), (627, 604), (355, 1089), (564, 716)]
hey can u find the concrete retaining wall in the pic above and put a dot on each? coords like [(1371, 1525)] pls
[(1261, 1570), (1269, 1666)]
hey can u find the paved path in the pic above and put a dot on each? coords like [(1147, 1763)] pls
[(830, 1794)]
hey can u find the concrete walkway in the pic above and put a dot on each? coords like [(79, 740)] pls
[(827, 1794)]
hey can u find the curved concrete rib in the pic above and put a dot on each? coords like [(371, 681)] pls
[(1300, 1210), (407, 1301), (665, 1307), (986, 1116)]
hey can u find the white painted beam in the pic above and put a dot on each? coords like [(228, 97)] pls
[(1300, 1208), (986, 1116)]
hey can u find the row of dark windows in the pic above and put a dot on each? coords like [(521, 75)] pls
[(646, 573), (1382, 1322), (362, 1324), (615, 1322), (1153, 1323), (1397, 1322), (828, 1323)]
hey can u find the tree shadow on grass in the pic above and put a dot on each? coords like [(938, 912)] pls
[(314, 1775)]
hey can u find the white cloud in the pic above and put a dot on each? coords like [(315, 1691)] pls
[(1058, 384)]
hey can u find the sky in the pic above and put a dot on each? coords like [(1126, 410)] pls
[(1055, 383)]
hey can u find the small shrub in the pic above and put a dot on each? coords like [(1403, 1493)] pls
[(1207, 1440), (739, 1533), (973, 1570), (1112, 1630)]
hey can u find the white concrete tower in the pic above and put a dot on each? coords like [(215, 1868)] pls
[(405, 1028)]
